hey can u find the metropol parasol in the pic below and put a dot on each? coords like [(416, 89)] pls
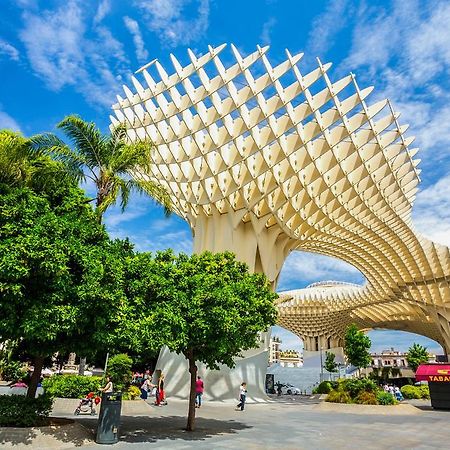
[(265, 160)]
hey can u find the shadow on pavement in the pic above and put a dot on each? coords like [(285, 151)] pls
[(61, 430), (146, 429)]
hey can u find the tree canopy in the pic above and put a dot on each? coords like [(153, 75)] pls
[(60, 274), (207, 307), (417, 355), (356, 347), (108, 160), (330, 363)]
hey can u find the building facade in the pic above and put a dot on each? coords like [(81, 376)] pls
[(275, 350), (263, 160), (393, 358), (290, 358)]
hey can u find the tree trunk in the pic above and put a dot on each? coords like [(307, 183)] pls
[(82, 366), (38, 365), (191, 413)]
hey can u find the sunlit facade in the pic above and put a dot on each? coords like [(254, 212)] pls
[(264, 160)]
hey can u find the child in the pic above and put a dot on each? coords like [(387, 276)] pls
[(242, 397)]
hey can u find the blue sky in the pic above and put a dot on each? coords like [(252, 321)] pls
[(72, 56)]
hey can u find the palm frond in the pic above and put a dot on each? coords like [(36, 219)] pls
[(132, 156), (155, 191), (51, 145), (86, 139)]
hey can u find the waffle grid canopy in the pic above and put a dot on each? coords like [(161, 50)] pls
[(263, 160)]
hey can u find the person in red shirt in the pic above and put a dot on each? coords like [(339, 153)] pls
[(199, 387)]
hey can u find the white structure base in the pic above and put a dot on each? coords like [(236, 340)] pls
[(220, 385), (311, 358)]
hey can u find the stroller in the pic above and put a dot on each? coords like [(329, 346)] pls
[(88, 404)]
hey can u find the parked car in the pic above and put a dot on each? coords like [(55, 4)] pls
[(289, 389)]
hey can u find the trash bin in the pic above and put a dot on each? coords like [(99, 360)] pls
[(109, 418)]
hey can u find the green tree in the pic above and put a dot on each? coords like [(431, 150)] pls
[(20, 166), (356, 347), (60, 275), (119, 369), (106, 160), (417, 355), (330, 363), (207, 307), (14, 162)]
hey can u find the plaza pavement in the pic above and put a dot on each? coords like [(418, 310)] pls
[(289, 423)]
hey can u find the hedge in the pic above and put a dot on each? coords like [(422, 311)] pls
[(21, 411), (71, 386), (409, 391), (324, 388)]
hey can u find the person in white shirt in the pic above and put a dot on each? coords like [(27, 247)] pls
[(108, 387), (242, 397)]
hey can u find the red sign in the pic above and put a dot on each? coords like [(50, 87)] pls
[(433, 372)]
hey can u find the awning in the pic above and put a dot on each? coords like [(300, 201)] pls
[(433, 372)]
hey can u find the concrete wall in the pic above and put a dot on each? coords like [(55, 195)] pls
[(220, 385)]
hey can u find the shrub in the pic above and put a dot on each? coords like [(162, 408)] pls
[(323, 388), (356, 385), (70, 386), (12, 371), (424, 391), (21, 411), (338, 396), (366, 398), (409, 391), (385, 398), (132, 393), (119, 369)]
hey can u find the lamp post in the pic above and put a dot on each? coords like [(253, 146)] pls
[(321, 364)]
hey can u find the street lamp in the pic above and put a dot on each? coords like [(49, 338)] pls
[(321, 364)]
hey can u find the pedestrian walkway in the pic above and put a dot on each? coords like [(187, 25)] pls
[(275, 424)]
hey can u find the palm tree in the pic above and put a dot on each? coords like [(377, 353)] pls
[(107, 160), (21, 166)]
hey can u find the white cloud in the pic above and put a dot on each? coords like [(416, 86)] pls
[(302, 268), (266, 32), (169, 19), (9, 50), (326, 26), (104, 7), (115, 217), (431, 212), (144, 224), (133, 28), (64, 52), (405, 52), (6, 121)]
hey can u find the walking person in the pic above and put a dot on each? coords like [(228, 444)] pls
[(242, 397), (199, 388), (279, 391)]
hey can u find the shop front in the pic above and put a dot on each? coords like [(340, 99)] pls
[(438, 377)]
